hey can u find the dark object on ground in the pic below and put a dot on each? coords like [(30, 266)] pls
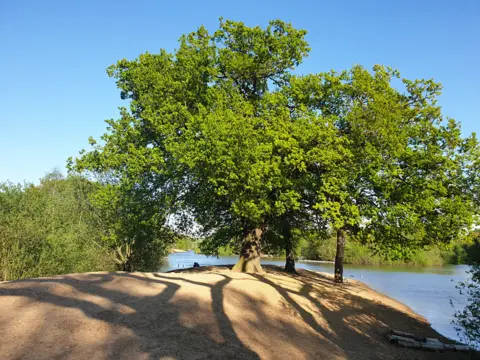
[(417, 342), (196, 264)]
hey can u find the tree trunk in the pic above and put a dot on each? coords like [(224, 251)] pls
[(249, 260), (339, 256), (290, 261)]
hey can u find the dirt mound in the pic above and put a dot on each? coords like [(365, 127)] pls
[(202, 314)]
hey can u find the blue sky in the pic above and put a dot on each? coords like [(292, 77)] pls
[(55, 93)]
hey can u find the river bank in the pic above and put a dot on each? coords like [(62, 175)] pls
[(206, 312), (174, 251), (417, 287)]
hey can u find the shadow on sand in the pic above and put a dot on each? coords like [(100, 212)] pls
[(173, 316)]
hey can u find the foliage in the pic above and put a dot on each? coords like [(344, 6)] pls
[(133, 224), (315, 247), (429, 256), (184, 242), (222, 130), (472, 249), (49, 229), (467, 321), (210, 123), (67, 225), (405, 178), (227, 251)]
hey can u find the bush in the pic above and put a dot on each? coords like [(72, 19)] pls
[(186, 243), (467, 321), (358, 254), (49, 229), (314, 247), (427, 257)]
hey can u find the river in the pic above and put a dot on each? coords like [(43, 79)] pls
[(427, 290)]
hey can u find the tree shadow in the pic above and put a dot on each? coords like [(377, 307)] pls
[(358, 322), (218, 315), (151, 324)]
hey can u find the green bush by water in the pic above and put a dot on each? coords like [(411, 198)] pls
[(48, 229), (186, 243), (356, 253), (57, 227), (313, 247)]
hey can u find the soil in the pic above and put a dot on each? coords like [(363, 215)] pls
[(203, 313)]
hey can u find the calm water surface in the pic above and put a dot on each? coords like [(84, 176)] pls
[(427, 291)]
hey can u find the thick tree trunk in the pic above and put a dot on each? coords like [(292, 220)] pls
[(290, 261), (249, 260), (339, 256)]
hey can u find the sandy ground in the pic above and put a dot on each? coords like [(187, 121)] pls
[(206, 313), (177, 251)]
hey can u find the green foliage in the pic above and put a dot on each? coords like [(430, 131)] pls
[(405, 178), (133, 224), (212, 122), (221, 129), (315, 247), (358, 254), (227, 251), (186, 243), (431, 256), (49, 229), (472, 249), (67, 225), (467, 320)]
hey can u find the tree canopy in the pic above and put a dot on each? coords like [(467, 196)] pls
[(224, 130)]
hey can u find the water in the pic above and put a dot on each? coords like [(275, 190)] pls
[(427, 291)]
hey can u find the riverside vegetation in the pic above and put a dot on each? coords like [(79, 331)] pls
[(221, 136), (62, 226), (315, 247)]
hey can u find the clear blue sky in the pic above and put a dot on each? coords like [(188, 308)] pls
[(55, 93)]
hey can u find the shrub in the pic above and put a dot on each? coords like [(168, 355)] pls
[(467, 320), (48, 229)]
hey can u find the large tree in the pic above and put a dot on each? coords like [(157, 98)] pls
[(405, 177), (221, 129), (211, 119)]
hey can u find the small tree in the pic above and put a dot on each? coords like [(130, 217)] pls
[(467, 321)]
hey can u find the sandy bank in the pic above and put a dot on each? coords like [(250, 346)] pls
[(174, 251), (206, 313)]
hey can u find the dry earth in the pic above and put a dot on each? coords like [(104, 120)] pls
[(202, 313)]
